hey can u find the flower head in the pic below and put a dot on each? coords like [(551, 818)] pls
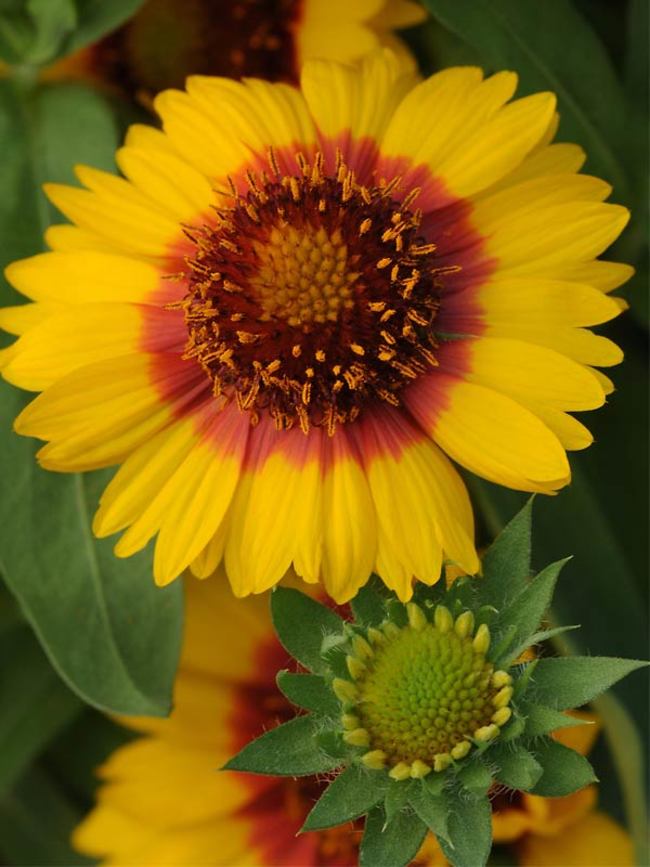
[(298, 305)]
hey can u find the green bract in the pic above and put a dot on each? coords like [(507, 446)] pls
[(423, 708)]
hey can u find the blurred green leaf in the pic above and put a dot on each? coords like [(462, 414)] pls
[(38, 32), (36, 820), (68, 583), (96, 18), (551, 47), (34, 704)]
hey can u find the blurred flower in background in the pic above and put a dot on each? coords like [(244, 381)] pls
[(167, 40)]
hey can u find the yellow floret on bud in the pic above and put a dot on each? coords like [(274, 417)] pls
[(486, 733), (350, 721), (460, 750), (375, 635), (357, 738), (416, 616), (400, 772), (441, 762), (501, 678), (464, 624), (501, 716), (361, 647), (375, 760), (356, 668), (443, 619), (390, 629), (481, 640), (344, 690), (419, 769), (502, 698)]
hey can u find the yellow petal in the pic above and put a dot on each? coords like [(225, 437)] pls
[(358, 101), (274, 510), (526, 372), (541, 242), (577, 343), (24, 317), (72, 339), (539, 301), (490, 434), (554, 159), (84, 276), (179, 190), (498, 146), (349, 531), (123, 219), (594, 841)]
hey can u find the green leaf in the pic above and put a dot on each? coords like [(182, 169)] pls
[(434, 811), (97, 18), (470, 832), (517, 767), (393, 846), (564, 770), (550, 46), (38, 32), (36, 820), (68, 583), (397, 796), (289, 750), (308, 691), (548, 634), (506, 564), (570, 681), (368, 605), (541, 720), (475, 777), (352, 794), (527, 609), (34, 704), (301, 624)]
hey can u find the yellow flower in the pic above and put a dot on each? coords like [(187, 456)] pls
[(167, 40), (163, 802), (298, 305)]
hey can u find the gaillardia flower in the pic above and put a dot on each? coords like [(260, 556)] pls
[(298, 305), (167, 40)]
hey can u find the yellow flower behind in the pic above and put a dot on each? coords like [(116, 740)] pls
[(167, 40), (163, 802), (298, 305)]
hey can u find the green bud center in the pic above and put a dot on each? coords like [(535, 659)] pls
[(423, 692)]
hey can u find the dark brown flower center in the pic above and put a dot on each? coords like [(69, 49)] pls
[(167, 40), (312, 296)]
